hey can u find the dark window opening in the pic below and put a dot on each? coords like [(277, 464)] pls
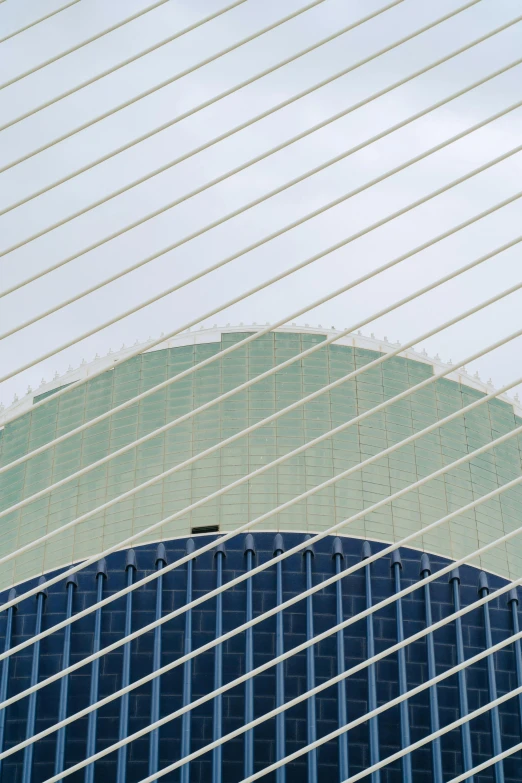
[(206, 529)]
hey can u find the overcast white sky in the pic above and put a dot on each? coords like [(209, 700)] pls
[(89, 16)]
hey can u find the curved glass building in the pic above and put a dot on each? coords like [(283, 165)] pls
[(367, 688)]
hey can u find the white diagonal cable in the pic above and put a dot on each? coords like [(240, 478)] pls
[(163, 84), (177, 119), (160, 86), (377, 711), (249, 476), (329, 482), (283, 145), (268, 373), (420, 532), (352, 724), (105, 32), (38, 21), (370, 460), (245, 341), (273, 150), (171, 38), (261, 423), (260, 618), (262, 567), (258, 158), (445, 729), (485, 764), (302, 177), (299, 648), (189, 113), (286, 273), (292, 703)]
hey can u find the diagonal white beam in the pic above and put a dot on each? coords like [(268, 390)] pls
[(38, 21), (149, 50), (279, 147), (485, 764), (177, 119), (242, 433), (359, 667), (288, 553), (111, 29), (323, 166), (221, 354), (360, 466), (166, 82), (392, 703), (268, 373), (363, 232)]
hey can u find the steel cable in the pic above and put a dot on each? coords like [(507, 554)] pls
[(158, 45), (238, 482), (446, 729), (160, 86), (160, 128), (330, 482), (273, 150), (221, 354), (379, 710), (252, 428), (286, 604), (485, 764), (258, 117), (38, 21), (366, 511), (267, 515), (286, 273), (299, 648), (291, 183), (358, 721), (278, 148), (268, 373), (111, 29), (322, 437)]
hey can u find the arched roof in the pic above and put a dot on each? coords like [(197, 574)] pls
[(213, 335)]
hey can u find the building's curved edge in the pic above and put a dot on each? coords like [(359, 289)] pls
[(214, 335), (219, 534)]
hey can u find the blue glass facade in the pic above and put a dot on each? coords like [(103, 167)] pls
[(296, 669), (174, 439)]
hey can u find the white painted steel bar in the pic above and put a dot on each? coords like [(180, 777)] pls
[(445, 729), (247, 575), (370, 460), (392, 703), (229, 216), (264, 114), (245, 341), (249, 476), (358, 721), (485, 764), (165, 83), (177, 119), (375, 181), (108, 30), (286, 604), (171, 38), (268, 153), (368, 229), (383, 654), (329, 482), (252, 428), (268, 373), (38, 21)]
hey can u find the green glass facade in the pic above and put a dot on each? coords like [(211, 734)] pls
[(317, 513)]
